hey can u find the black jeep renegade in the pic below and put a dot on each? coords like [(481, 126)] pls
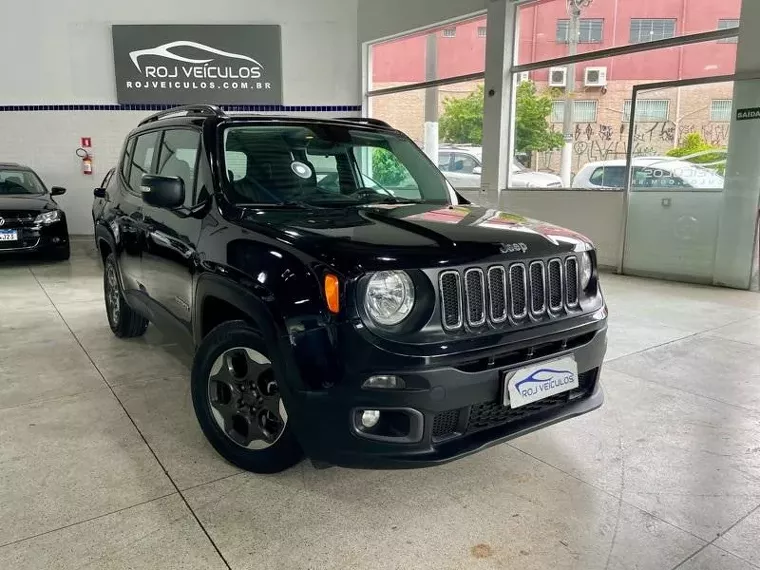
[(342, 300)]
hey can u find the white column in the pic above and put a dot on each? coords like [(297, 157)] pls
[(741, 196), (499, 108)]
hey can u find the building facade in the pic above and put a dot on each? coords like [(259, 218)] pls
[(603, 88)]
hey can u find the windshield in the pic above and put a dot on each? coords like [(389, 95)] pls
[(17, 181), (331, 165)]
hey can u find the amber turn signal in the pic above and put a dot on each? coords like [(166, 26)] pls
[(332, 293)]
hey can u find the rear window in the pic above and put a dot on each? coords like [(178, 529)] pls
[(608, 176)]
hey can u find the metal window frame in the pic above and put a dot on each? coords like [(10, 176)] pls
[(590, 22), (726, 108), (628, 105), (561, 102), (651, 22)]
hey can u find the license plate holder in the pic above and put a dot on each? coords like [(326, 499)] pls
[(539, 381)]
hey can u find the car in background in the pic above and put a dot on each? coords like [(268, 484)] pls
[(462, 167), (658, 172), (30, 218)]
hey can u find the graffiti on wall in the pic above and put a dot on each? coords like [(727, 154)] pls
[(594, 142)]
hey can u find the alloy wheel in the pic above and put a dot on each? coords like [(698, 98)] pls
[(245, 399), (113, 295)]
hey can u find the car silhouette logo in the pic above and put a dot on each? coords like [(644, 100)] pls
[(164, 51), (543, 375)]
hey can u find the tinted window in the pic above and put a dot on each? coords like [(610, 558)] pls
[(14, 181), (179, 153), (127, 160), (609, 176), (142, 159), (321, 164)]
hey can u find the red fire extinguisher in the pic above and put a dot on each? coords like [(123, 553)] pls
[(86, 161)]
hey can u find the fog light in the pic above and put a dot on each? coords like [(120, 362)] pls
[(383, 383), (370, 418)]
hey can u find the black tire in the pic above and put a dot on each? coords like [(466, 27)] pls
[(228, 338), (125, 322), (62, 253)]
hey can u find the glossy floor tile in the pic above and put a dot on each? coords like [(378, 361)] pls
[(97, 434)]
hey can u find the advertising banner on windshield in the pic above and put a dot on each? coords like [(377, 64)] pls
[(225, 65)]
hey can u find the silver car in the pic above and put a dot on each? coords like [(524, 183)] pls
[(462, 167), (655, 172)]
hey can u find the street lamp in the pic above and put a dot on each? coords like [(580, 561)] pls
[(574, 9)]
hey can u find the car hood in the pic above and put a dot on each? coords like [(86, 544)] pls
[(19, 202), (373, 237)]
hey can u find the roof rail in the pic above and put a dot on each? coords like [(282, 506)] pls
[(205, 110), (368, 120)]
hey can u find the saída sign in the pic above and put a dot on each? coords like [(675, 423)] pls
[(233, 65)]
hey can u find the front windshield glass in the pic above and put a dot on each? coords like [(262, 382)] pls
[(328, 164), (16, 181)]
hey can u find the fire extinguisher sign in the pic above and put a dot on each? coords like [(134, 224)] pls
[(86, 142)]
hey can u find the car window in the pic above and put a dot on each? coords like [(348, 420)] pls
[(444, 161), (608, 176), (142, 159), (464, 163), (385, 172), (178, 157), (326, 169), (327, 164), (17, 181), (126, 162)]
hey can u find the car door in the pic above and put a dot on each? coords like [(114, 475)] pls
[(127, 222), (171, 238)]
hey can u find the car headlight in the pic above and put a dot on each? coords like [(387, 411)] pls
[(48, 217), (389, 298), (587, 270)]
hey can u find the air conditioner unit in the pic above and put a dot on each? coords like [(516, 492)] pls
[(558, 77), (596, 77), (523, 76)]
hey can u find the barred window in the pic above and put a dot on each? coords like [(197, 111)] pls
[(720, 110), (649, 30), (482, 30), (583, 112), (449, 32), (648, 110), (590, 31)]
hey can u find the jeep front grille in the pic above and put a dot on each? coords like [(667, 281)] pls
[(476, 296)]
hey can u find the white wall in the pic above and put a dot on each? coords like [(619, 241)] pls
[(60, 52), (382, 18)]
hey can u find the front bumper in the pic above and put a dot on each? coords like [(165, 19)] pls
[(36, 238), (458, 402)]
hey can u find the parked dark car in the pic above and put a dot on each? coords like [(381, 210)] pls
[(30, 218), (359, 311)]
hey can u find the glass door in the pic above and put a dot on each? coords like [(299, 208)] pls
[(677, 140)]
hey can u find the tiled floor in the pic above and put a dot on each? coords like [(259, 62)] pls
[(102, 464)]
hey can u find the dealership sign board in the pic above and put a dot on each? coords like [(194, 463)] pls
[(233, 65)]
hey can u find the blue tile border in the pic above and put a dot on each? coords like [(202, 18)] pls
[(162, 107)]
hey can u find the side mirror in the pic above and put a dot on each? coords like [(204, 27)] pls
[(57, 191), (99, 192), (477, 170), (163, 191)]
